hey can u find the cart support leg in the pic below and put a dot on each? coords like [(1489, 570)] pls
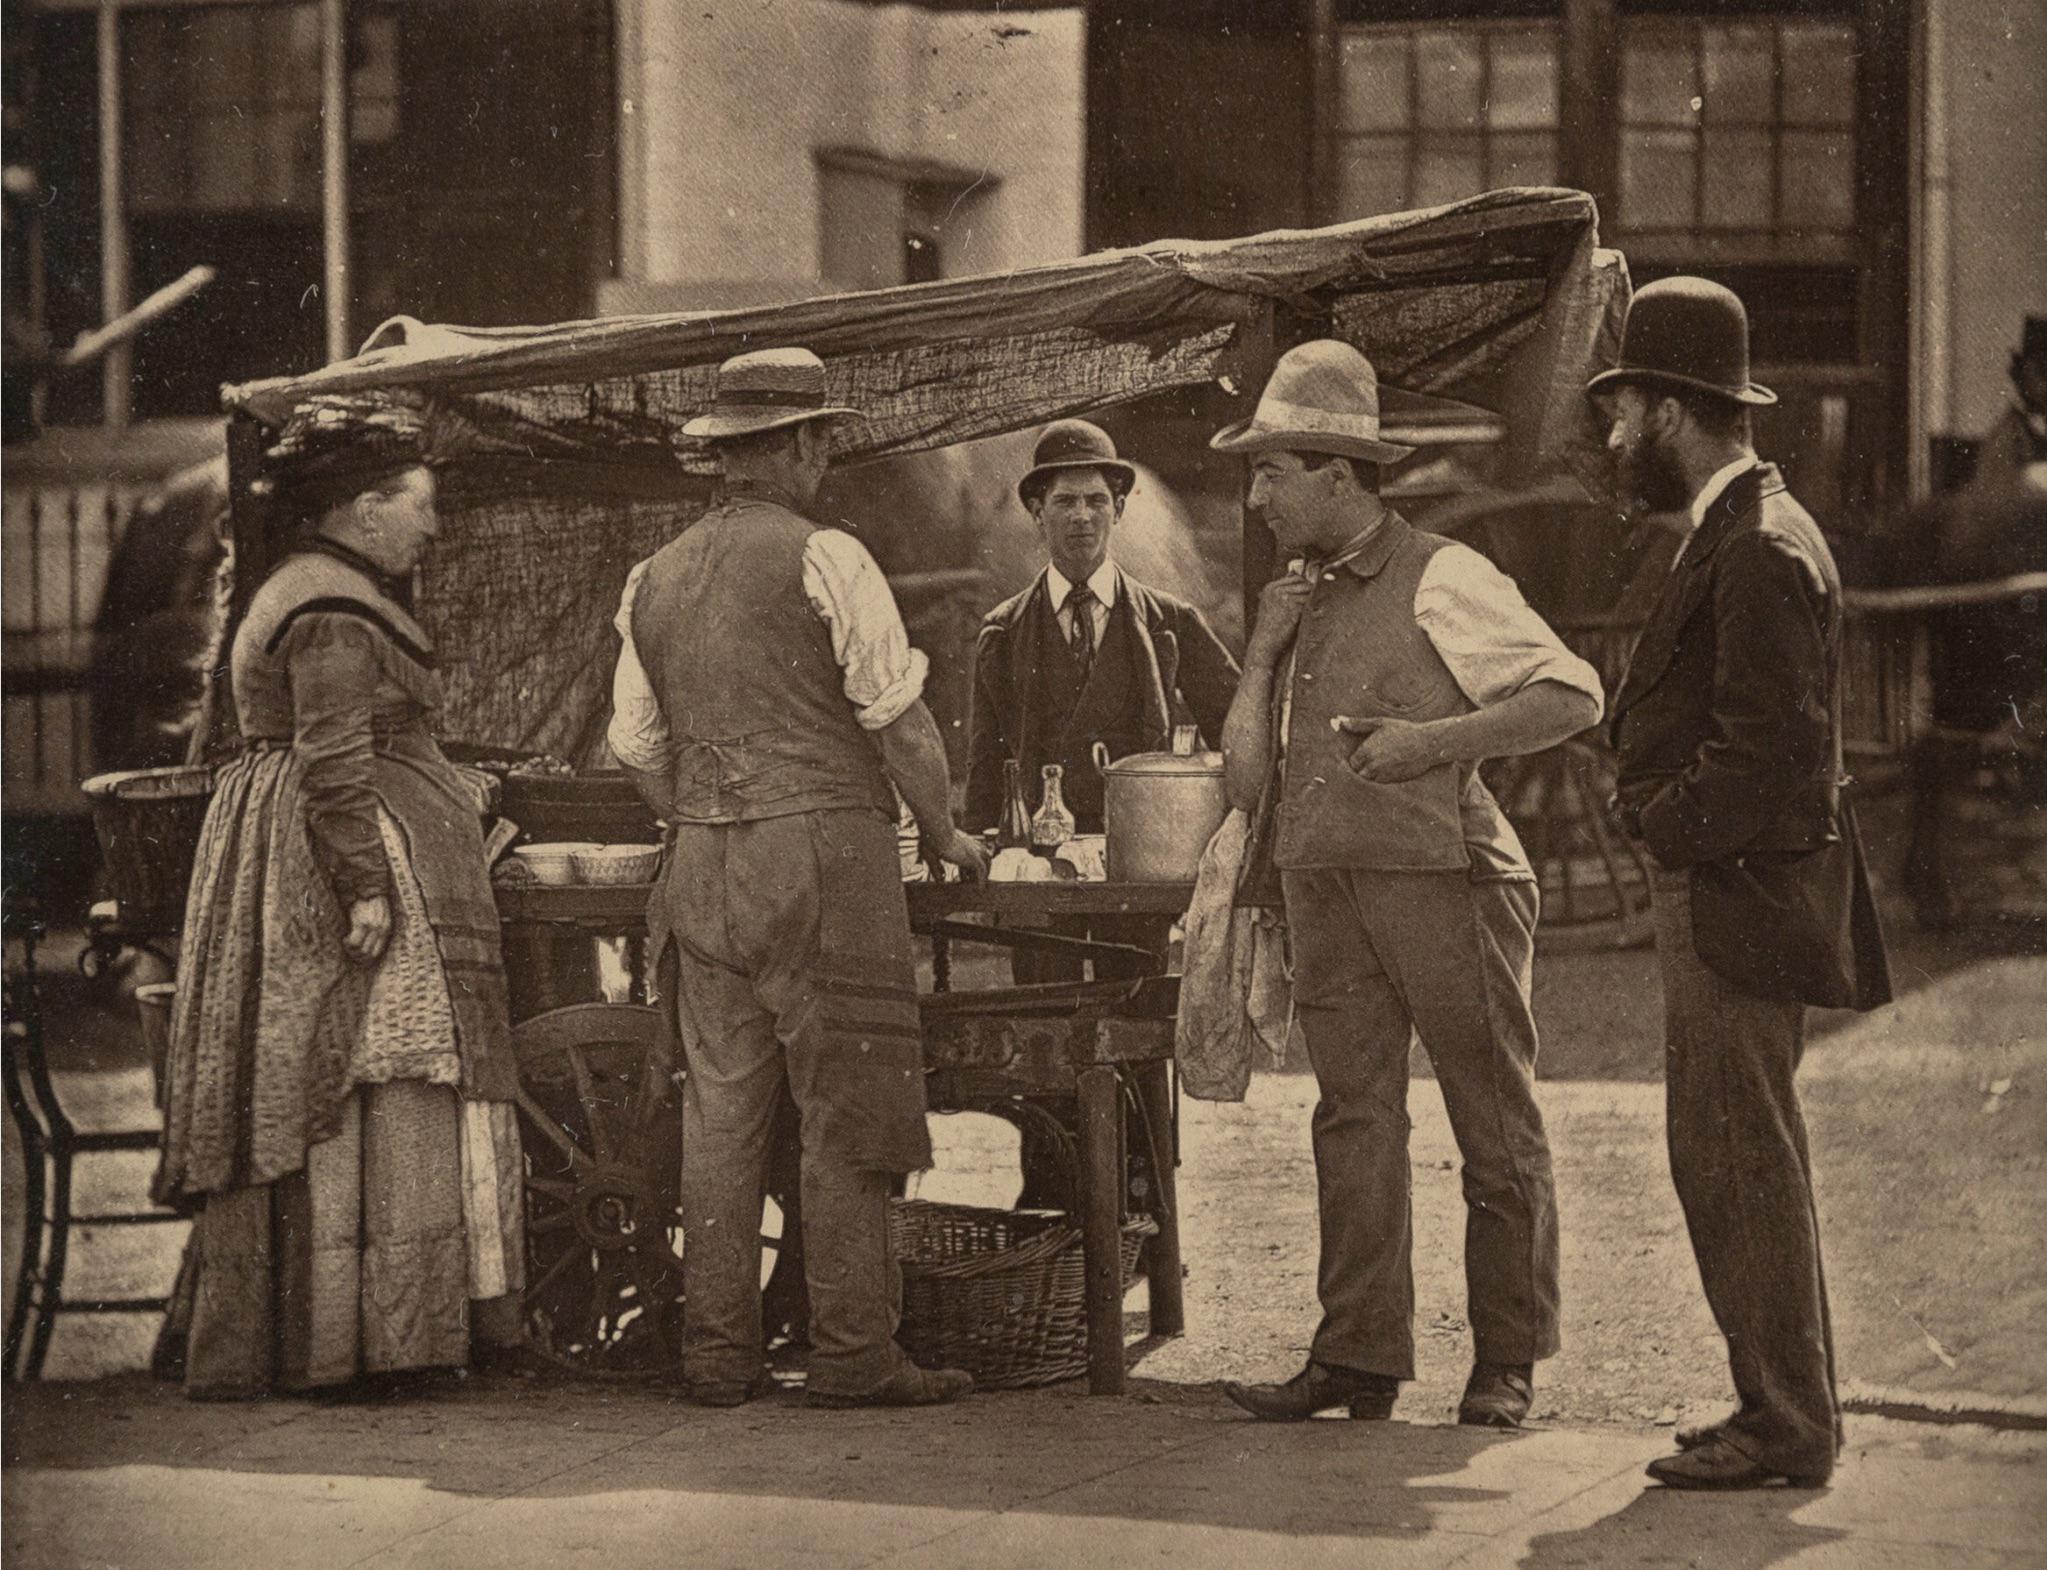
[(1162, 1271), (1101, 1119)]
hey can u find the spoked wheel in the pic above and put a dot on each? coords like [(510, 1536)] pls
[(600, 1114), (1594, 879)]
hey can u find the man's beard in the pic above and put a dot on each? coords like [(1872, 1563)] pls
[(1651, 479)]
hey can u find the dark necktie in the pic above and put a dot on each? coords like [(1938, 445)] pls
[(1081, 602)]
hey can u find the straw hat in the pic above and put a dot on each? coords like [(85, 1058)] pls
[(764, 390), (1686, 332), (1323, 397), (1075, 444)]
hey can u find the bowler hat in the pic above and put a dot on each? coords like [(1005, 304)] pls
[(1075, 444), (1323, 396), (763, 390), (1686, 332)]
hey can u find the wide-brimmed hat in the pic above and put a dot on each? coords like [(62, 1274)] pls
[(763, 390), (1686, 332), (1323, 396), (1075, 444)]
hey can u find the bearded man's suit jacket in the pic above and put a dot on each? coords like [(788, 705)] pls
[(1727, 728)]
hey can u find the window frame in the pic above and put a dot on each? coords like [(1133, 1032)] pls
[(1781, 239), (1417, 137)]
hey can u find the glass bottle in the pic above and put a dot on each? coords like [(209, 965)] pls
[(1014, 830), (1052, 824)]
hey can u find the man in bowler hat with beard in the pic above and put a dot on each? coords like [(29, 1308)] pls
[(1728, 730)]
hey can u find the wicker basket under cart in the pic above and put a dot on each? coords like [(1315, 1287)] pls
[(999, 1293)]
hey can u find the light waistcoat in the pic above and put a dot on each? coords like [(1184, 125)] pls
[(1359, 652)]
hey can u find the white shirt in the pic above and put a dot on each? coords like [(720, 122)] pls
[(847, 590), (1103, 582), (1489, 637)]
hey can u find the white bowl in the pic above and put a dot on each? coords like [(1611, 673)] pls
[(612, 865), (553, 862)]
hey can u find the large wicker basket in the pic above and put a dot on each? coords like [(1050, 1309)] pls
[(1000, 1293), (148, 822)]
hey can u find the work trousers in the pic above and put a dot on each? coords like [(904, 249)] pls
[(1743, 1172), (1378, 958), (748, 946)]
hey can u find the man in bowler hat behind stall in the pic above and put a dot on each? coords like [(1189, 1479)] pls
[(1728, 730), (1085, 653)]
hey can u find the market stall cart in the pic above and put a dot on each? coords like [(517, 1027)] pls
[(560, 468)]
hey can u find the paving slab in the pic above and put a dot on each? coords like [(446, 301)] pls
[(172, 1518), (493, 1474)]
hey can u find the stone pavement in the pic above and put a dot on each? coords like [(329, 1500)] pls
[(500, 1473)]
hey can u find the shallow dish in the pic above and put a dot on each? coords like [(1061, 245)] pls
[(611, 865), (553, 862)]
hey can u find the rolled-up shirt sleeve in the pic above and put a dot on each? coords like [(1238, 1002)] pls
[(332, 658), (845, 586), (1490, 638), (638, 734)]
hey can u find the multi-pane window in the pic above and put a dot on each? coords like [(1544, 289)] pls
[(223, 109), (1437, 111), (1738, 132)]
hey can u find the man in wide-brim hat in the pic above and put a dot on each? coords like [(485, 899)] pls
[(1385, 665), (1727, 728), (768, 705)]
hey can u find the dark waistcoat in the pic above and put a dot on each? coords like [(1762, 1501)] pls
[(743, 669), (1072, 714)]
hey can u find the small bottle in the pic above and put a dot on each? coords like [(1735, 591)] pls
[(1014, 831), (1051, 825)]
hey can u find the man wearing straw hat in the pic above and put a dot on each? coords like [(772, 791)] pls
[(1728, 730), (1385, 665), (766, 700)]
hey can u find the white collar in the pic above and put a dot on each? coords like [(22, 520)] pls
[(1711, 491), (1102, 582)]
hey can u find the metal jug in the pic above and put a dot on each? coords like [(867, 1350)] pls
[(1160, 809)]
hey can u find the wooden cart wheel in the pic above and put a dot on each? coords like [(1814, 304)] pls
[(1594, 879), (600, 1114)]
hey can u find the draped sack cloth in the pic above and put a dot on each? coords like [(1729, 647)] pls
[(562, 466), (1236, 1001)]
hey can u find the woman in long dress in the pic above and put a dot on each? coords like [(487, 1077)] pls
[(340, 1078)]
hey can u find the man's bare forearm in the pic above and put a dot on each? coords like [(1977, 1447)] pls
[(913, 757), (1536, 717)]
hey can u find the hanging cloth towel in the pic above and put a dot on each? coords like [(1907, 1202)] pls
[(1236, 1000)]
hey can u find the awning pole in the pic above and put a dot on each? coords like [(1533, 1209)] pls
[(334, 281), (117, 371)]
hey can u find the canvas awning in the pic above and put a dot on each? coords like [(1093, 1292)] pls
[(561, 461)]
